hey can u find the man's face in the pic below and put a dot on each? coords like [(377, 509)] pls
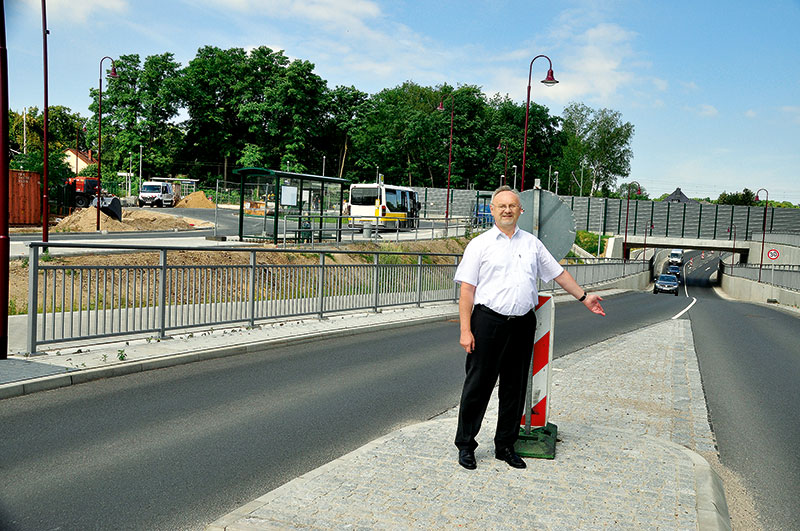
[(506, 210)]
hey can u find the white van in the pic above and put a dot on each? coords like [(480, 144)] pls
[(676, 257), (156, 194)]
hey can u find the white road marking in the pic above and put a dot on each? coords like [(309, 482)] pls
[(686, 309)]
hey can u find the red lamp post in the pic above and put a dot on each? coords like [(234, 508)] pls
[(113, 75), (651, 227), (502, 145), (45, 119), (627, 209), (548, 81), (763, 229), (450, 155), (734, 244), (5, 241)]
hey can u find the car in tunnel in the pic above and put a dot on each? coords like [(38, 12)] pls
[(666, 284)]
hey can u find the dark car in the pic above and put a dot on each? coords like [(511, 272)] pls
[(674, 270), (666, 284)]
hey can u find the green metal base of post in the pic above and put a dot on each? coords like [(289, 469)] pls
[(540, 443)]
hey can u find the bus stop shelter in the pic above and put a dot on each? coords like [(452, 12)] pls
[(289, 194)]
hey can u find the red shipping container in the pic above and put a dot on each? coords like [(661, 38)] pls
[(25, 198)]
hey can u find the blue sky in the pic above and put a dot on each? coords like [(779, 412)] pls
[(712, 88)]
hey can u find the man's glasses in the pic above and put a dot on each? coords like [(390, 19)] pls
[(506, 207)]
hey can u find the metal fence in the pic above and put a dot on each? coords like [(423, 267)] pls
[(783, 276), (316, 229), (77, 302)]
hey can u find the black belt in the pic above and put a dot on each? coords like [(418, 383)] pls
[(487, 310)]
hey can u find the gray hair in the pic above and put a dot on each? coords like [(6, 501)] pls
[(506, 188)]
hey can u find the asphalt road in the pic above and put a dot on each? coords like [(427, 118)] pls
[(749, 356), (177, 448)]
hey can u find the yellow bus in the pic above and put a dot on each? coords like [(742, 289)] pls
[(383, 205)]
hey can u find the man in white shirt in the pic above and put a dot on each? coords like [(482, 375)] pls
[(498, 275)]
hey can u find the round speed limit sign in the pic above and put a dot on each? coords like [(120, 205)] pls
[(773, 254)]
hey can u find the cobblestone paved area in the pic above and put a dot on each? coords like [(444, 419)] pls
[(630, 412)]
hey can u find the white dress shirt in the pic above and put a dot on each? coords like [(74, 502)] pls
[(504, 270)]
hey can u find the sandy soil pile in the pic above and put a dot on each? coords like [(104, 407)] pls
[(196, 199), (85, 220)]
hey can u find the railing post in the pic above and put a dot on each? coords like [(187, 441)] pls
[(321, 285), (33, 295), (251, 303), (419, 280), (455, 284), (375, 282), (162, 294)]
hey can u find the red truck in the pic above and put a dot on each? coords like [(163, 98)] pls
[(84, 190)]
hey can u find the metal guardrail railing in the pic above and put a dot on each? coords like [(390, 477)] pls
[(69, 302), (783, 276), (327, 229)]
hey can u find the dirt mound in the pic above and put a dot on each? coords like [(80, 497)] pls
[(85, 220), (196, 199)]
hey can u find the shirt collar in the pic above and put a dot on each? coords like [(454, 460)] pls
[(496, 232)]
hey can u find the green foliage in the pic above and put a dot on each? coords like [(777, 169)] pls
[(634, 190), (588, 241), (746, 197), (14, 310), (600, 140), (57, 168), (259, 108)]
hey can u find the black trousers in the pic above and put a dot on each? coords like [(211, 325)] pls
[(503, 349)]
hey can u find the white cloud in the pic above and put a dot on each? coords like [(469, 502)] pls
[(77, 10), (707, 110), (597, 63), (343, 14), (793, 111), (750, 113)]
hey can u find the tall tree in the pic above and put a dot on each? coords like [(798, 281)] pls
[(602, 140), (343, 107), (212, 88)]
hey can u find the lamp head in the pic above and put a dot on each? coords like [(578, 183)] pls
[(550, 80), (113, 73), (499, 145)]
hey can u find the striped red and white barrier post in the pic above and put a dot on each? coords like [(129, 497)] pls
[(537, 435)]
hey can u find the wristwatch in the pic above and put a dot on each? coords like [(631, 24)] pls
[(582, 298)]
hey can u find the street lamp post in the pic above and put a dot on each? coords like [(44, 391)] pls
[(645, 239), (450, 154), (548, 81), (515, 176), (763, 229), (734, 244), (113, 75), (5, 241), (554, 173), (45, 119), (502, 145), (140, 167), (627, 210)]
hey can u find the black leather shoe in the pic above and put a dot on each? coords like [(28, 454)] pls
[(466, 458), (509, 456)]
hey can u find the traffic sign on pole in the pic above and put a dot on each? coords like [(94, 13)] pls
[(773, 254)]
